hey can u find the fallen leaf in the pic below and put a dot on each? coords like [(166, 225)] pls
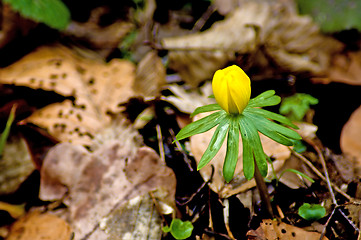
[(92, 83), (98, 183), (344, 68), (188, 101), (15, 211), (15, 165), (351, 135), (40, 226), (199, 144), (271, 229), (290, 41), (150, 75)]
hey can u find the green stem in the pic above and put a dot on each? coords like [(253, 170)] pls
[(262, 188)]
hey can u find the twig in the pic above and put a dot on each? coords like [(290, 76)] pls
[(160, 143), (319, 174), (226, 218), (203, 19), (326, 224), (323, 162), (180, 149)]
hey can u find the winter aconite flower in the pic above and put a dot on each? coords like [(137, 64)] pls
[(232, 89), (237, 114)]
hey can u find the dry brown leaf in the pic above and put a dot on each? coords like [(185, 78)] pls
[(40, 226), (15, 165), (199, 144), (271, 229), (345, 68), (150, 75), (351, 135), (291, 41), (188, 101), (97, 87), (98, 183)]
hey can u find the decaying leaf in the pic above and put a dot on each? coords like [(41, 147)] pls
[(150, 75), (199, 144), (15, 165), (271, 229), (92, 83), (291, 41), (351, 135), (345, 68), (188, 101), (98, 184), (40, 226)]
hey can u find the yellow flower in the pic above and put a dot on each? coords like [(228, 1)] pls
[(232, 89)]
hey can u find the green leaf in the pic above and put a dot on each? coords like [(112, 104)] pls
[(274, 130), (215, 144), (271, 115), (202, 125), (312, 212), (53, 13), (207, 108), (255, 143), (296, 106), (179, 229), (231, 159), (264, 99), (248, 159), (333, 15), (4, 136)]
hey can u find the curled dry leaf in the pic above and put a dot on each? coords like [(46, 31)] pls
[(91, 83), (199, 144), (351, 135), (291, 41), (99, 183), (39, 226), (271, 229)]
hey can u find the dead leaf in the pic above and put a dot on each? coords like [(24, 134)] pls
[(40, 226), (351, 135), (271, 229), (344, 68), (15, 165), (199, 144), (92, 84), (188, 101), (15, 211), (150, 75), (98, 183), (290, 41)]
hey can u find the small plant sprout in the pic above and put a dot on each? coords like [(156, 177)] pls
[(235, 113), (311, 212), (179, 229)]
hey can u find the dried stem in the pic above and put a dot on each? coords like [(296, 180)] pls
[(263, 192)]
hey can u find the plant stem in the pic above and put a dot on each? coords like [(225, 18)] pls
[(262, 188)]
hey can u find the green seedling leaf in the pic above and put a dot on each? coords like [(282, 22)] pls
[(202, 125), (312, 212), (231, 159), (53, 13), (207, 108), (179, 229), (296, 106), (215, 144), (4, 136), (333, 15)]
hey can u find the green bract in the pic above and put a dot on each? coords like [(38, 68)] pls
[(248, 123)]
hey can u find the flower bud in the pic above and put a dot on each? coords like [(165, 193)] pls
[(232, 89)]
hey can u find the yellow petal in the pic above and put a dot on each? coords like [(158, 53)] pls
[(232, 89)]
